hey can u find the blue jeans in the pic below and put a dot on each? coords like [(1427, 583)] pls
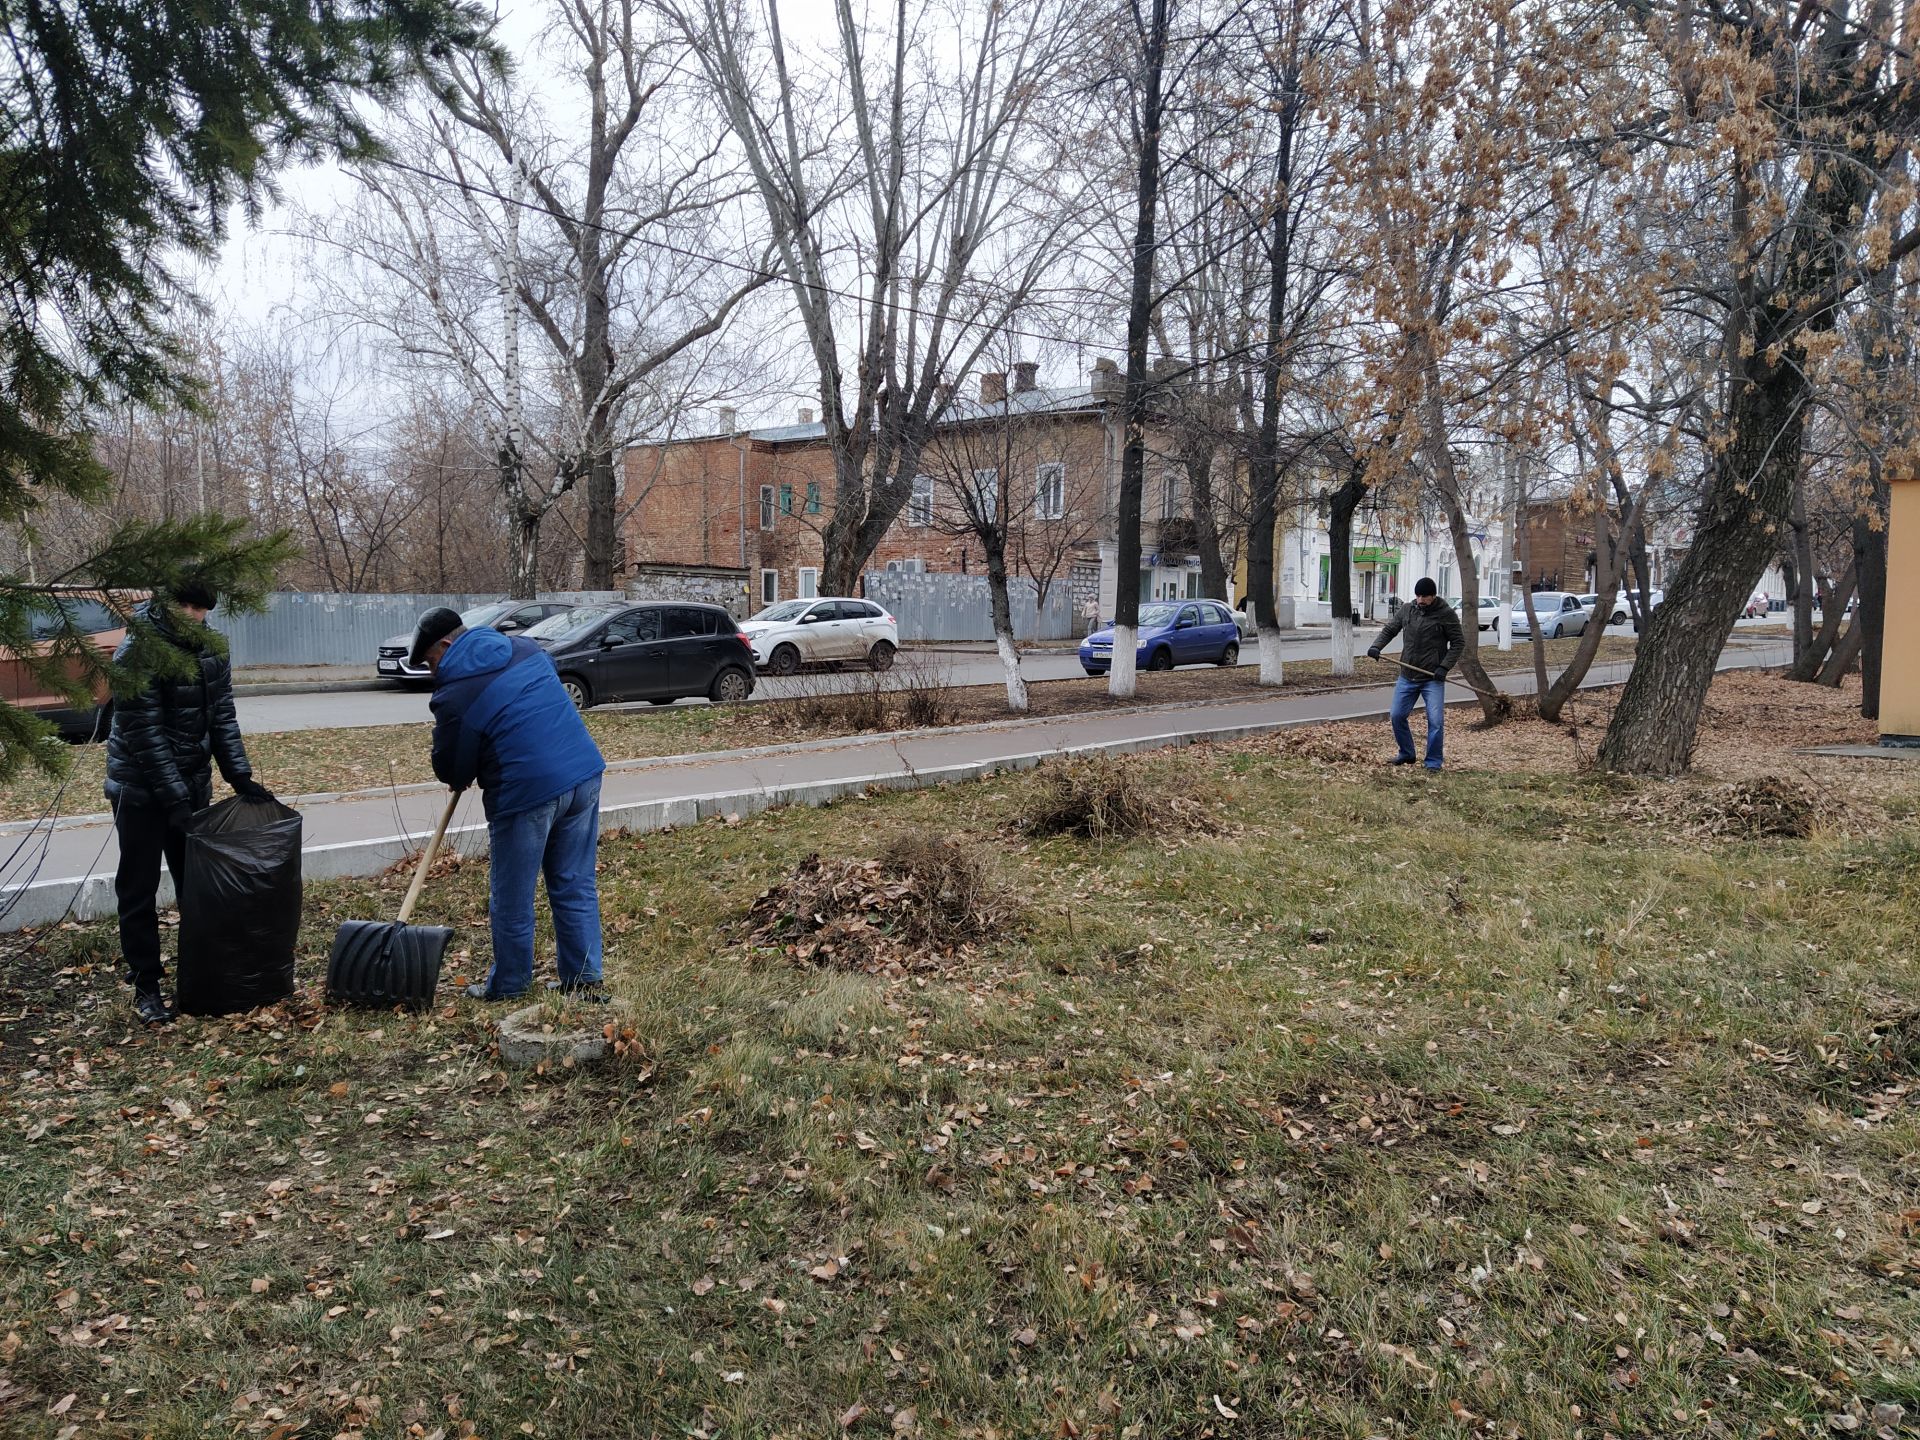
[(1405, 691), (560, 838)]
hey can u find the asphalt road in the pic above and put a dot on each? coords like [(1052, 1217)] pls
[(350, 709)]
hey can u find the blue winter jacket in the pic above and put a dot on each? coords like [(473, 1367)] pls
[(501, 718)]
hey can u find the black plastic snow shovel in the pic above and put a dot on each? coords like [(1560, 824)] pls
[(382, 965)]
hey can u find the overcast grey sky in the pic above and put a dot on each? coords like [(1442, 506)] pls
[(261, 267)]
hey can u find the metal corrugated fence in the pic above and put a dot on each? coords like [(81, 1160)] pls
[(310, 628), (958, 607)]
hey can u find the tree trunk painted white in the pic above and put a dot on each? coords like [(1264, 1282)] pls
[(1010, 662), (1120, 678), (1342, 645), (1273, 670), (1503, 625)]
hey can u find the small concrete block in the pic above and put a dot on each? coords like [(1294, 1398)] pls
[(525, 1038)]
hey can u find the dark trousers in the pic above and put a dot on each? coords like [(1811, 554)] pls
[(145, 837)]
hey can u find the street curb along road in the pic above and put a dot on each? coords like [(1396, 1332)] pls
[(90, 897)]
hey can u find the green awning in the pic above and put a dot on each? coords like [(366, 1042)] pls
[(1369, 555)]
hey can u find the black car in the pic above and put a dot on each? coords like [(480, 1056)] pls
[(609, 653), (510, 617)]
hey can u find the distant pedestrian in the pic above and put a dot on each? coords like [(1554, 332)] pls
[(166, 739), (502, 719), (1430, 644)]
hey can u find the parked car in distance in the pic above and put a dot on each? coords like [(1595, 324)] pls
[(91, 615), (1560, 614), (507, 616), (657, 652), (1757, 604), (826, 628), (1171, 632), (1489, 611)]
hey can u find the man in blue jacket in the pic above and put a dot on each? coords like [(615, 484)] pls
[(502, 719)]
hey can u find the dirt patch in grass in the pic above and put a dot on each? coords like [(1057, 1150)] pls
[(921, 905)]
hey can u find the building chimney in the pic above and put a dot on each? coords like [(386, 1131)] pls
[(1106, 378), (1026, 377), (806, 414), (729, 419), (993, 387)]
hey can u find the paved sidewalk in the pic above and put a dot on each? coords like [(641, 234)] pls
[(362, 832)]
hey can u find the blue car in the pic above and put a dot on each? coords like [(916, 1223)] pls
[(1172, 632)]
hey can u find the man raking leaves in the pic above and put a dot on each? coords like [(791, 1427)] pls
[(1431, 642), (503, 720)]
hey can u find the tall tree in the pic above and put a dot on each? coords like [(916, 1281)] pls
[(1792, 154), (1148, 107), (903, 177), (636, 170), (130, 131)]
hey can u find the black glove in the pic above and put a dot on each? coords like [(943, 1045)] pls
[(1374, 653), (179, 816), (251, 789), (1441, 673)]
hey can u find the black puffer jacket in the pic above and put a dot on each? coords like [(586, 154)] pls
[(165, 737)]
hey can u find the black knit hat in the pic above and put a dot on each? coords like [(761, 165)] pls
[(197, 593), (1425, 586), (434, 626)]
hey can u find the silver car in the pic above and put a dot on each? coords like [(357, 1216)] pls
[(813, 632), (1560, 614)]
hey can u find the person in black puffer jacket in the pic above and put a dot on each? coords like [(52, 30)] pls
[(160, 755)]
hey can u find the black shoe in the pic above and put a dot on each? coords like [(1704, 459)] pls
[(1401, 760), (151, 1006), (590, 992)]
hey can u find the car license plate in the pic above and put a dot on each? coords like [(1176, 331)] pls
[(389, 665)]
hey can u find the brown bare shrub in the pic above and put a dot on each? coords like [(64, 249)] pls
[(1099, 797)]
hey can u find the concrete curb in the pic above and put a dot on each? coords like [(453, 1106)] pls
[(247, 689), (91, 897)]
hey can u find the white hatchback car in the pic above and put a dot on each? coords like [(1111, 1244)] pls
[(812, 632)]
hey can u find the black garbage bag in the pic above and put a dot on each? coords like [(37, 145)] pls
[(239, 907)]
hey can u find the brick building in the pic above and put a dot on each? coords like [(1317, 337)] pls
[(757, 500), (1559, 548)]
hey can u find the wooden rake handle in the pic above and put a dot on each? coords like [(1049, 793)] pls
[(1464, 685), (426, 859)]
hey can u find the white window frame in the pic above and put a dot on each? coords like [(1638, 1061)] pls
[(768, 502), (1170, 477), (769, 588), (808, 585), (1050, 490), (920, 501)]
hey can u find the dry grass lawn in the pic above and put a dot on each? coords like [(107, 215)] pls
[(1484, 1104)]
